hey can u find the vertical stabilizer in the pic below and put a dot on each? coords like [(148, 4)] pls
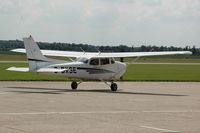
[(32, 50), (35, 58)]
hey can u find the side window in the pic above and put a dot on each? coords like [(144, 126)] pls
[(94, 62), (112, 61), (105, 61)]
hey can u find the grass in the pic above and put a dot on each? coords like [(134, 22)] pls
[(134, 72), (145, 72), (10, 53), (6, 57), (166, 59)]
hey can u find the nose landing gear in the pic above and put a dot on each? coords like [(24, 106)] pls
[(113, 86)]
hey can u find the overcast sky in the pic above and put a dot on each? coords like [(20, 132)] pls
[(103, 22)]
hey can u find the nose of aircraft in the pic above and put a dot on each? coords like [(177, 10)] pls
[(121, 69)]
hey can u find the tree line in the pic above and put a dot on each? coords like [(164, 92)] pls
[(6, 45)]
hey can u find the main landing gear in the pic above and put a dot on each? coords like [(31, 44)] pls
[(113, 86), (74, 85)]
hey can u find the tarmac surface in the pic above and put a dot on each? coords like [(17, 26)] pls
[(137, 107)]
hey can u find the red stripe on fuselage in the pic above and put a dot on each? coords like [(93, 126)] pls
[(96, 72)]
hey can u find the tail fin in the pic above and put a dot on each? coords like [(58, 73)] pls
[(35, 57), (32, 50)]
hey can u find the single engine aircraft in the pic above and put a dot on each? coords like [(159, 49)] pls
[(86, 66)]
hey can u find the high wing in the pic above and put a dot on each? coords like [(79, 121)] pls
[(41, 70), (139, 54), (55, 53), (103, 55)]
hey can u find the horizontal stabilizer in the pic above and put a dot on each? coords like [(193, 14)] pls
[(20, 69), (20, 50), (50, 70), (42, 70)]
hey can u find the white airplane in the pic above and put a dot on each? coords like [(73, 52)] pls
[(87, 66)]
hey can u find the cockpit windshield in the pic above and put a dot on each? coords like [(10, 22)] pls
[(84, 60)]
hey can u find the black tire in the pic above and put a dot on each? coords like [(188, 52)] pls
[(74, 85), (113, 87)]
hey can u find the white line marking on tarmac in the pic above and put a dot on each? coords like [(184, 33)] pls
[(161, 129), (63, 113), (171, 111), (94, 112)]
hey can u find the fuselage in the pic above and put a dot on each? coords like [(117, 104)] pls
[(88, 71)]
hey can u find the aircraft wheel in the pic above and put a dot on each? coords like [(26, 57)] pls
[(74, 85), (113, 87)]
